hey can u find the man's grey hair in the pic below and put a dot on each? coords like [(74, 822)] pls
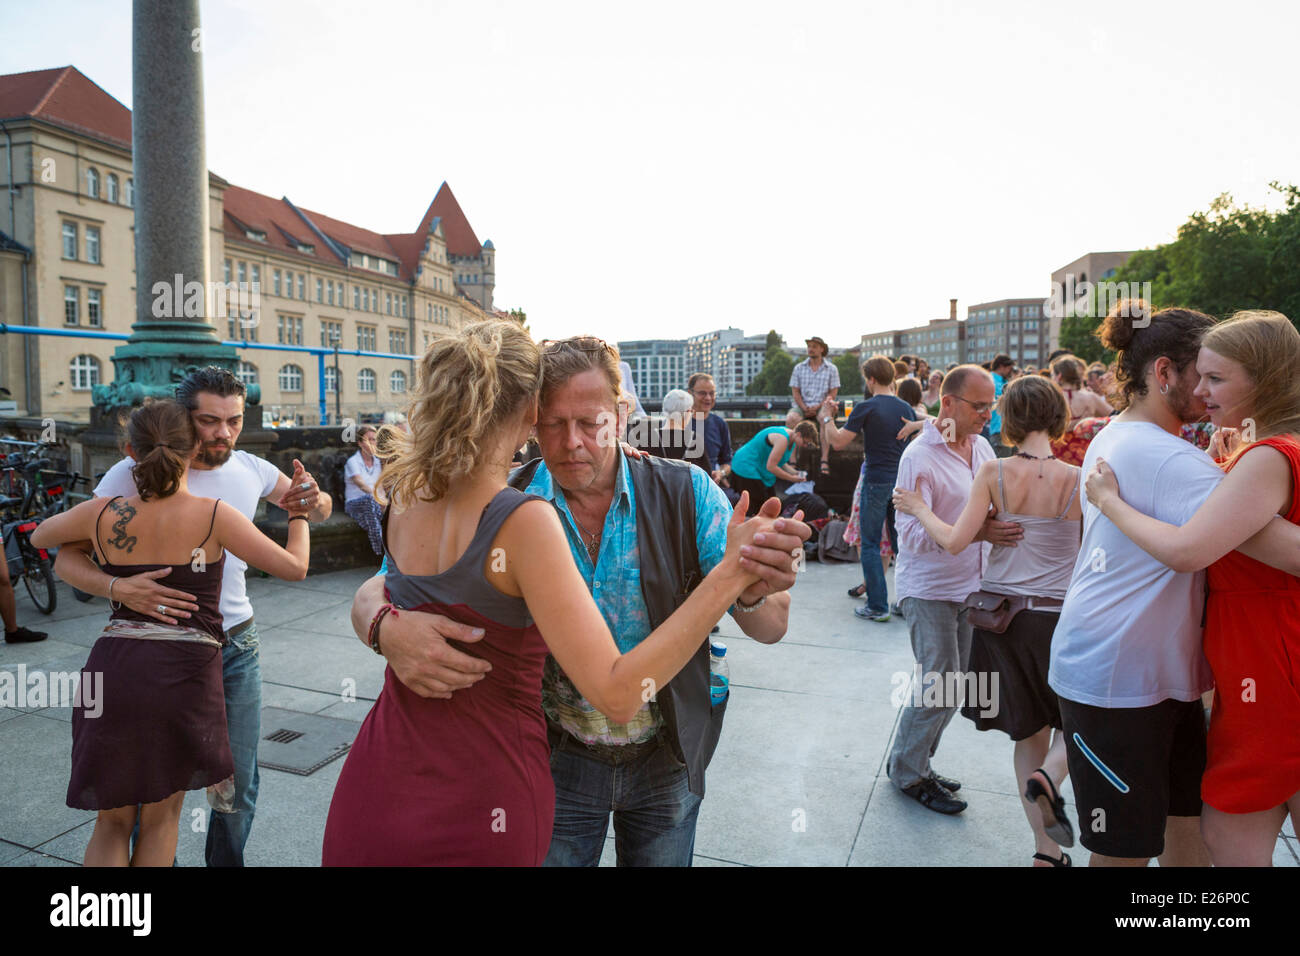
[(678, 402)]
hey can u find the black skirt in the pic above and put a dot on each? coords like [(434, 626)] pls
[(158, 725), (1014, 664)]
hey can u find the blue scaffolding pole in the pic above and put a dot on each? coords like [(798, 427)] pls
[(319, 351)]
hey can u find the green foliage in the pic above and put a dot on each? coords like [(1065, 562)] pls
[(774, 340), (774, 377), (851, 382), (1227, 258)]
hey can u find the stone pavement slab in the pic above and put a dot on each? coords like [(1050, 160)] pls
[(798, 778)]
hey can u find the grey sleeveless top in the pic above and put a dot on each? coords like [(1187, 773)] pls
[(463, 583), (1041, 564)]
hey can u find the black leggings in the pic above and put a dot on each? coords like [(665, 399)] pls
[(758, 492)]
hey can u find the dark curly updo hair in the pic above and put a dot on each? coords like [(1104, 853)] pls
[(1141, 336), (162, 438)]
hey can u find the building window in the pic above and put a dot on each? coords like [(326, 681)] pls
[(397, 382), (328, 332), (275, 281), (92, 183), (331, 379), (290, 329), (94, 311), (84, 373), (92, 244), (397, 341), (290, 378), (429, 311), (128, 194), (302, 286), (257, 276), (112, 187), (242, 271), (340, 294), (356, 297), (71, 305), (320, 290), (329, 292), (388, 302), (366, 381), (69, 240), (366, 338), (226, 270), (246, 373)]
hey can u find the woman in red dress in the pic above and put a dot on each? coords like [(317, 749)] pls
[(1252, 630)]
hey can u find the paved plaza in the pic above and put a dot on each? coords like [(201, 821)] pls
[(798, 779)]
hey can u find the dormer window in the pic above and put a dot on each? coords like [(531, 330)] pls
[(256, 235), (306, 249)]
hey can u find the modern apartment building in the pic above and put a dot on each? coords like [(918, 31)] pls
[(1015, 327), (703, 351), (658, 366), (67, 262), (738, 363)]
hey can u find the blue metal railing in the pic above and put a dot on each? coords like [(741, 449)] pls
[(319, 351)]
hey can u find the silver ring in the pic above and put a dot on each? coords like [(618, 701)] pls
[(162, 608), (302, 502)]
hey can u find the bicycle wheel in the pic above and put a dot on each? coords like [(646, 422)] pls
[(38, 578)]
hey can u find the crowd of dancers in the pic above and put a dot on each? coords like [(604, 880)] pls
[(546, 626)]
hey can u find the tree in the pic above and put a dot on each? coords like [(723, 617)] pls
[(1227, 258), (851, 382), (774, 377), (520, 316), (774, 340)]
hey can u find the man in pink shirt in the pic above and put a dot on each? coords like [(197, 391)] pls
[(932, 584)]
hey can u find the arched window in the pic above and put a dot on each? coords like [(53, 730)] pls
[(246, 373), (290, 378), (397, 381), (128, 194), (366, 381), (112, 187), (84, 373), (331, 379), (92, 182)]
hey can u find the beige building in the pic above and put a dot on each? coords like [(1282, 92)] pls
[(1074, 288), (303, 278)]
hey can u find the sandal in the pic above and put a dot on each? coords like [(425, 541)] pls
[(826, 468), (1055, 823), (1063, 861), (858, 591)]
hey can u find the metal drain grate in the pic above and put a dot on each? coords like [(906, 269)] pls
[(303, 743), (283, 736)]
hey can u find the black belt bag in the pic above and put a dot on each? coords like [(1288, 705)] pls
[(994, 612)]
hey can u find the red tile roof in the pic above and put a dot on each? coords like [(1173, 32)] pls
[(65, 97), (461, 240)]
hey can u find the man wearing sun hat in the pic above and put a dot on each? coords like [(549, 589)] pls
[(813, 381)]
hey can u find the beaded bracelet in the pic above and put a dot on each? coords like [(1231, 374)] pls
[(372, 635)]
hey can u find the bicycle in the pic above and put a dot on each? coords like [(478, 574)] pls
[(30, 563)]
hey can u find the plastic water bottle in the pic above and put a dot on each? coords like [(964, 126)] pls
[(719, 681)]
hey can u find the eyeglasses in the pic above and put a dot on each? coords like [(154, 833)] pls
[(579, 343), (980, 407)]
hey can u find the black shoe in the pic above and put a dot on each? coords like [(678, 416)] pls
[(934, 796), (715, 630), (24, 636), (946, 783)]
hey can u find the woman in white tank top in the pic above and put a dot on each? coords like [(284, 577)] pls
[(1009, 669)]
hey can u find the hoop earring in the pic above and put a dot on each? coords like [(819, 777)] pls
[(1164, 389)]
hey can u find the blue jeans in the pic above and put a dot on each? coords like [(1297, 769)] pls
[(241, 671), (876, 510), (654, 811)]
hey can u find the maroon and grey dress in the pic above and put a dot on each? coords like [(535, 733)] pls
[(153, 719), (462, 781)]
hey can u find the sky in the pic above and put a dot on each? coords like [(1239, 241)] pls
[(661, 170)]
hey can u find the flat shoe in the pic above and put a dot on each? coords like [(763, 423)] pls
[(1063, 861), (858, 591)]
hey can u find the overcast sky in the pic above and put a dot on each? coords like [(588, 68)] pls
[(658, 170)]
